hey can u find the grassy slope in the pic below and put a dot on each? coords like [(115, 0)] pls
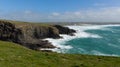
[(14, 55)]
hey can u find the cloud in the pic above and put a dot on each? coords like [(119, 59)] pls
[(108, 14), (111, 14), (55, 14)]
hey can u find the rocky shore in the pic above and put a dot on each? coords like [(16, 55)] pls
[(32, 35)]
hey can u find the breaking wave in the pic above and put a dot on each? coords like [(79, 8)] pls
[(81, 33)]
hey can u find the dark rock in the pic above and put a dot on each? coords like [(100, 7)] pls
[(71, 34), (39, 45), (53, 32), (31, 35), (64, 30), (45, 32), (8, 32), (46, 50)]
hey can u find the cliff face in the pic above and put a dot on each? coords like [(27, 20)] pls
[(64, 30), (30, 35), (46, 32), (8, 32)]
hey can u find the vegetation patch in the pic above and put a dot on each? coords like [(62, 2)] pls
[(12, 54)]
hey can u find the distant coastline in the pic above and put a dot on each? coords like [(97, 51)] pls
[(80, 23)]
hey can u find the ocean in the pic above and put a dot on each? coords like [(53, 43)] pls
[(90, 39)]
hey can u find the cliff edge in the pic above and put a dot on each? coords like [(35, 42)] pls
[(31, 35)]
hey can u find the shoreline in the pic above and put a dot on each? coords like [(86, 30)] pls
[(47, 37), (31, 35), (79, 34)]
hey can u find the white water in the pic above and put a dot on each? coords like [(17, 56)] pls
[(79, 34)]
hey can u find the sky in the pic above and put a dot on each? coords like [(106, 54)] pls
[(61, 10)]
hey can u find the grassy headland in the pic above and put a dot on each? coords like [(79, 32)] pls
[(12, 54), (15, 55)]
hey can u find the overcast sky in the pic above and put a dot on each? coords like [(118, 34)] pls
[(61, 10)]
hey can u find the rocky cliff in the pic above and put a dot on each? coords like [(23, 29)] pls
[(64, 30), (31, 35), (9, 32)]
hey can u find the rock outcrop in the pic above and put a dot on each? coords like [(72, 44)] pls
[(8, 32), (31, 35), (64, 30)]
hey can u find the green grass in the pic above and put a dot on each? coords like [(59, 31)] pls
[(14, 55)]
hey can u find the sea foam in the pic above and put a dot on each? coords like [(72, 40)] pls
[(80, 33)]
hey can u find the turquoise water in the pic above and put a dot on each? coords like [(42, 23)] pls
[(107, 44)]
